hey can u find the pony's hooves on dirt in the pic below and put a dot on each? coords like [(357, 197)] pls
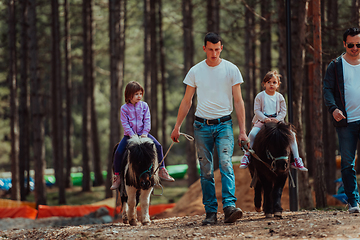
[(268, 215), (258, 209), (125, 221), (146, 223), (133, 222), (278, 214)]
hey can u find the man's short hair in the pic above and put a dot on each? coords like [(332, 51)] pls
[(352, 32), (212, 37)]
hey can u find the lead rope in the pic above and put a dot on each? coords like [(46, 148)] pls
[(188, 137)]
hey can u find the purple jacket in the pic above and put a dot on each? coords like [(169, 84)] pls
[(135, 119)]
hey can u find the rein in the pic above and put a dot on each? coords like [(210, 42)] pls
[(271, 167), (188, 137)]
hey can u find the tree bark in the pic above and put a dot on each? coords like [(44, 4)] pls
[(98, 178), (319, 176), (14, 124), (213, 16), (298, 53), (37, 111), (68, 119), (86, 111), (147, 53), (193, 175), (249, 64), (265, 37), (24, 117), (117, 25), (163, 80), (57, 115)]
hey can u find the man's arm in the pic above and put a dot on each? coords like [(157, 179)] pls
[(184, 108), (240, 112)]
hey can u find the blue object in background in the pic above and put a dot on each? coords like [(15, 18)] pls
[(5, 184), (341, 196)]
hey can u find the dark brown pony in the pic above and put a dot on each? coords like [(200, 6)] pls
[(269, 166)]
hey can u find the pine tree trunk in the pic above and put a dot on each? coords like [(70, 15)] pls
[(14, 124), (188, 63), (319, 176), (297, 49), (117, 48), (57, 115), (37, 111), (86, 141), (68, 87), (24, 117), (213, 16), (265, 38), (163, 80)]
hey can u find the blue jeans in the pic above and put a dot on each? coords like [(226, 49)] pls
[(206, 138), (119, 154), (348, 137)]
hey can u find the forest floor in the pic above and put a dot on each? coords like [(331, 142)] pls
[(184, 221)]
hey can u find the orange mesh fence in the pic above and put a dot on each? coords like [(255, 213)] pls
[(16, 212)]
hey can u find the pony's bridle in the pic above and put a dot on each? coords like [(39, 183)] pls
[(146, 171), (274, 160)]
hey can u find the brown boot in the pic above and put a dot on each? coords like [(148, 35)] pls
[(116, 182), (164, 175), (232, 214)]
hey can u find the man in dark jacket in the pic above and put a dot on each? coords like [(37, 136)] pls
[(341, 89)]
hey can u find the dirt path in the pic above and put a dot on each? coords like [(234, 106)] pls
[(184, 221), (296, 225)]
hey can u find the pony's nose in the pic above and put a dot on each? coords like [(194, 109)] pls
[(145, 185)]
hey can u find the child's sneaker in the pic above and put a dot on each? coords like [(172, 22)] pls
[(116, 182), (298, 164), (245, 160), (164, 175)]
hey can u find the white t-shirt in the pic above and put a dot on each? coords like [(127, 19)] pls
[(351, 90), (213, 88), (269, 104)]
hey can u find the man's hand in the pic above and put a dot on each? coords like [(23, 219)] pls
[(243, 137), (338, 115), (175, 134)]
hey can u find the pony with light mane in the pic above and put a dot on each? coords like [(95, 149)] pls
[(138, 177)]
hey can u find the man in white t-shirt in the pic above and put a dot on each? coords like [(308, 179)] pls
[(342, 97), (216, 82)]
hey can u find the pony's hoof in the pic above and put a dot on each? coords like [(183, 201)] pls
[(278, 214), (146, 223), (258, 209), (268, 215), (125, 220), (133, 222)]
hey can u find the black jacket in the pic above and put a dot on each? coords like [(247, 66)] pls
[(333, 90)]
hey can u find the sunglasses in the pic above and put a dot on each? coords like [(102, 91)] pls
[(351, 45)]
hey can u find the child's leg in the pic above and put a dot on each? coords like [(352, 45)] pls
[(246, 158), (119, 154), (294, 147), (254, 131), (298, 163), (163, 173), (159, 151)]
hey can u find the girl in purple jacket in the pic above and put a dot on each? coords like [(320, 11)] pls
[(135, 119)]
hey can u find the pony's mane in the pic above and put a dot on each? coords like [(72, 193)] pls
[(275, 132)]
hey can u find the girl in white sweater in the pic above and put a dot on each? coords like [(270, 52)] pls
[(270, 105)]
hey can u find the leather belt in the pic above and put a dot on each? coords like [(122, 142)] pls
[(213, 121)]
